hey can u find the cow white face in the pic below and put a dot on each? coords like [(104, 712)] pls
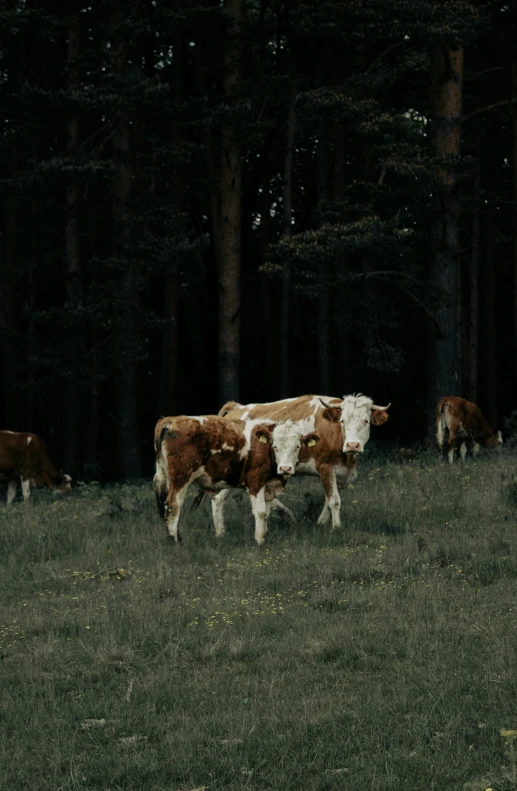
[(287, 439), (356, 414)]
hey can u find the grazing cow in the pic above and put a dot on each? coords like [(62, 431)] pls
[(343, 426), (216, 453), (465, 424), (25, 457)]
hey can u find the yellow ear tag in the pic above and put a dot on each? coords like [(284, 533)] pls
[(263, 438), (311, 442)]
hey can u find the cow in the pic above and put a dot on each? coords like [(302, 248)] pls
[(465, 425), (343, 426), (24, 457), (217, 454)]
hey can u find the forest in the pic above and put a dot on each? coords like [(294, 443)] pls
[(249, 200)]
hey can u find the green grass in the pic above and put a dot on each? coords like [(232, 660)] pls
[(379, 657)]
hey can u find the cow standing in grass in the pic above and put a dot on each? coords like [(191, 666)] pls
[(24, 457), (343, 426), (464, 425), (218, 454)]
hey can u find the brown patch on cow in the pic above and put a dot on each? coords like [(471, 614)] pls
[(295, 409), (464, 421), (379, 416), (333, 415), (186, 445), (26, 455)]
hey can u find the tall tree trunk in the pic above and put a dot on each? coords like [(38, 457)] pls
[(168, 397), (8, 322), (266, 289), (323, 266), (285, 290), (514, 198), (490, 278), (128, 438), (472, 389), (228, 250), (446, 109), (73, 271), (341, 264)]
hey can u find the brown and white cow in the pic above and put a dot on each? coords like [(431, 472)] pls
[(465, 425), (217, 454), (343, 426), (25, 457)]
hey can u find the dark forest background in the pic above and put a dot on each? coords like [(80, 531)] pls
[(250, 200)]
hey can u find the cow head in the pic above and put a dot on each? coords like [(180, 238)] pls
[(64, 483), (495, 441), (356, 413), (286, 441)]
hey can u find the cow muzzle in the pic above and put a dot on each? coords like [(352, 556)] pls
[(286, 469), (352, 447)]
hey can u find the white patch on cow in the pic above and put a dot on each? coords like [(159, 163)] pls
[(356, 413), (8, 432), (287, 441), (29, 440), (225, 446), (440, 430), (11, 488), (213, 452), (217, 511), (260, 512), (200, 419), (26, 489)]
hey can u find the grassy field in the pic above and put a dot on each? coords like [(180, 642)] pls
[(379, 657)]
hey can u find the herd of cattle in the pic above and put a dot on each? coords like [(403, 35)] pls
[(256, 447)]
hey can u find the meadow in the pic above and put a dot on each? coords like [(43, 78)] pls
[(382, 656)]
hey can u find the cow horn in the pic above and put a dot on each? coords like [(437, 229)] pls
[(329, 406), (382, 408)]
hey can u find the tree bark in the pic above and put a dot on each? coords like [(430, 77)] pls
[(490, 274), (323, 266), (73, 272), (446, 108), (285, 289), (341, 262), (128, 437), (514, 197), (228, 245), (472, 388), (265, 280), (168, 397)]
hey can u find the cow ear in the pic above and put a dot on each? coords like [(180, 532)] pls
[(379, 416), (310, 439), (332, 413), (263, 435)]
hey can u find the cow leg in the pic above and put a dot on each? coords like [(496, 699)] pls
[(260, 512), (463, 450), (11, 490), (172, 510), (217, 511), (451, 445), (26, 489), (332, 498), (475, 447)]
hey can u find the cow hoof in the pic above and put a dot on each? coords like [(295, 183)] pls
[(174, 539)]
